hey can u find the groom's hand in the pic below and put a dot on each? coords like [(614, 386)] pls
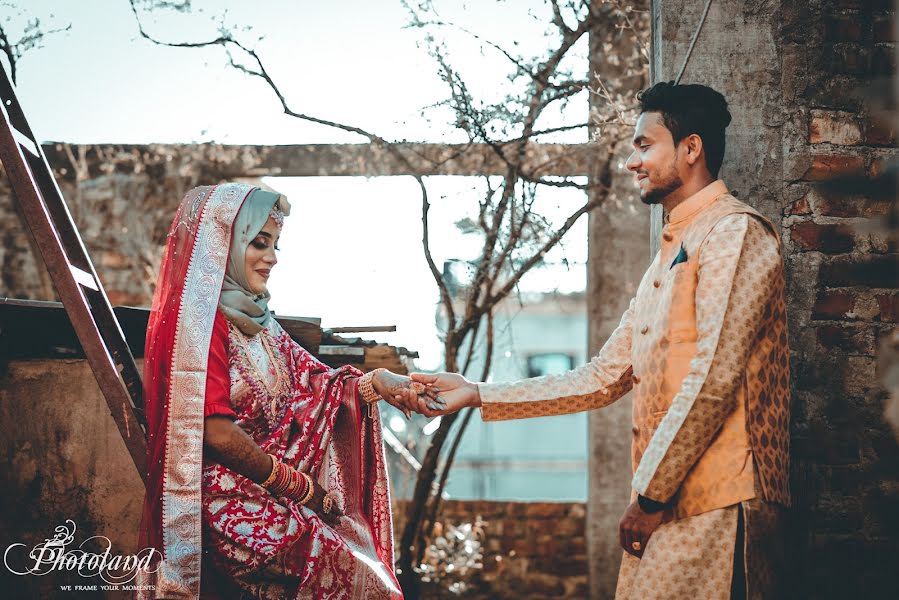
[(397, 390), (454, 392), (636, 527)]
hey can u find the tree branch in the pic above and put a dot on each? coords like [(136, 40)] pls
[(426, 245), (557, 17)]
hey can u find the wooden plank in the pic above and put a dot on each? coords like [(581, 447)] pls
[(306, 331), (363, 329), (40, 329), (354, 352)]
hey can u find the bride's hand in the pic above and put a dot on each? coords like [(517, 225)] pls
[(317, 502), (401, 392)]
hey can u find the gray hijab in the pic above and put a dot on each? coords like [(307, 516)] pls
[(248, 311)]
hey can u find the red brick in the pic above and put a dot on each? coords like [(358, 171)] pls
[(881, 61), (889, 307), (879, 132), (570, 566), (829, 204), (527, 547), (833, 306), (801, 207), (828, 166), (827, 238), (846, 338), (542, 585), (854, 59), (572, 545), (876, 271), (884, 30), (842, 28), (546, 509), (835, 91), (834, 127), (878, 167)]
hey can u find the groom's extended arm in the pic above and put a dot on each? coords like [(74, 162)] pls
[(607, 377)]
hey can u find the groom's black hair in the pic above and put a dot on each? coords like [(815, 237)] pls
[(688, 109)]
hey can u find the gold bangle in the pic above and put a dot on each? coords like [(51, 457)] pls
[(293, 482), (273, 474), (311, 490), (369, 395)]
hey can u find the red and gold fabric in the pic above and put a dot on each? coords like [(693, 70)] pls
[(219, 533)]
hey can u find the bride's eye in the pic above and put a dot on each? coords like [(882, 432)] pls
[(260, 245)]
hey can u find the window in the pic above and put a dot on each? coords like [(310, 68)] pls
[(549, 363)]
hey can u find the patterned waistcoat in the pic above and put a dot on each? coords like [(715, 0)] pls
[(751, 450)]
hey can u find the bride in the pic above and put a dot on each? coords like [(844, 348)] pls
[(266, 475)]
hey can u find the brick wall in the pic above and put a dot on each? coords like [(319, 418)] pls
[(531, 550), (843, 297)]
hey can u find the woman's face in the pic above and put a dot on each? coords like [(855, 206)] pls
[(261, 257)]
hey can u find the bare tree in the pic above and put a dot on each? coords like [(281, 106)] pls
[(516, 238), (31, 36)]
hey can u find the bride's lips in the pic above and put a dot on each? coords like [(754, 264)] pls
[(264, 272)]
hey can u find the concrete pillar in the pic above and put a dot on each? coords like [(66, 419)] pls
[(738, 54), (618, 256)]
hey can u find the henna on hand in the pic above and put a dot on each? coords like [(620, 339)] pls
[(401, 392), (316, 503), (234, 449)]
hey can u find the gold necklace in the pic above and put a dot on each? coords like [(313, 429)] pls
[(281, 381)]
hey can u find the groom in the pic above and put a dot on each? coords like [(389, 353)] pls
[(704, 347)]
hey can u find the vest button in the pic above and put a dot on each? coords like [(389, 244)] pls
[(656, 283), (667, 236), (636, 379), (644, 329), (635, 430)]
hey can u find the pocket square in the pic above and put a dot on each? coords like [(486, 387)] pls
[(681, 257)]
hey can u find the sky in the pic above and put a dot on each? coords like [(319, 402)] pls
[(351, 249)]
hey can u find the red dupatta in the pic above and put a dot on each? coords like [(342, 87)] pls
[(175, 369)]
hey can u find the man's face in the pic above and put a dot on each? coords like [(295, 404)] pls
[(654, 159)]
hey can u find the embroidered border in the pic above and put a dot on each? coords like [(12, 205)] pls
[(179, 572)]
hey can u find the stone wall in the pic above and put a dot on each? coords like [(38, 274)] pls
[(531, 550)]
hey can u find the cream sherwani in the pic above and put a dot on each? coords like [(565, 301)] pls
[(704, 346)]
